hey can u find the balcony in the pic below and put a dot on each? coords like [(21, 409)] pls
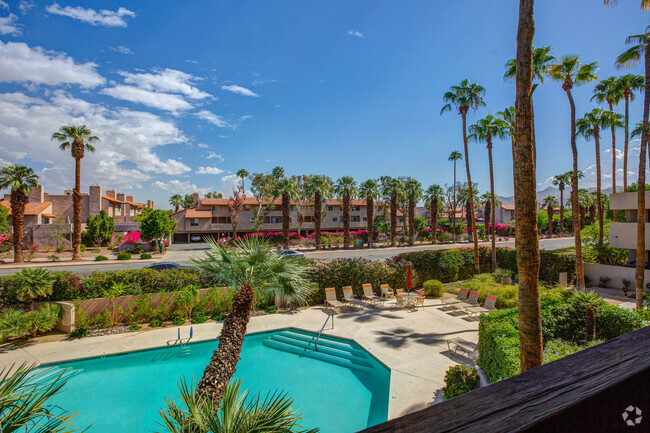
[(623, 235)]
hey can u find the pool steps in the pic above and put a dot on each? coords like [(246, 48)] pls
[(329, 350)]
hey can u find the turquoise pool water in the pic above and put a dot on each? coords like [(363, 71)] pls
[(122, 393)]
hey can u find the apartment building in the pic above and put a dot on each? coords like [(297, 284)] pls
[(211, 217)]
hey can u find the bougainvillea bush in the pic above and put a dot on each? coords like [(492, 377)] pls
[(131, 238)]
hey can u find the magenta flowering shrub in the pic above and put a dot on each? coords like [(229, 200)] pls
[(131, 238), (5, 243)]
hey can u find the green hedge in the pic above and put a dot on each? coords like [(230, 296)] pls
[(458, 263), (460, 379)]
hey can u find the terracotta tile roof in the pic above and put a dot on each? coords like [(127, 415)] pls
[(508, 206), (194, 213), (31, 209), (353, 202), (48, 215), (139, 205), (112, 200)]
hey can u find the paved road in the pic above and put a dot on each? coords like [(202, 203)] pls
[(182, 254)]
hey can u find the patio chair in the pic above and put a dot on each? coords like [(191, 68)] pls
[(462, 297), (330, 298), (419, 302), (386, 291), (370, 296), (348, 297), (472, 301), (400, 301), (488, 305), (462, 345)]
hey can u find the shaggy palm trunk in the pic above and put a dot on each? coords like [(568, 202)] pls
[(346, 221), (580, 271), (626, 93), (487, 218), (468, 221), (611, 108), (493, 202), (78, 154), (318, 209), (583, 217), (453, 210), (434, 221), (549, 216), (592, 214), (370, 211), (17, 201), (463, 112), (411, 221), (514, 180), (286, 219), (224, 360), (599, 201), (393, 219), (641, 211), (561, 209), (530, 324), (591, 323)]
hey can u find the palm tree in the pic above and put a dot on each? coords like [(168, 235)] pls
[(277, 172), (585, 201), (393, 190), (561, 180), (529, 317), (346, 188), (508, 115), (20, 180), (590, 126), (453, 157), (320, 187), (285, 188), (645, 4), (243, 174), (78, 139), (176, 200), (250, 267), (435, 196), (631, 57), (413, 190), (33, 283), (483, 131), (628, 84), (370, 190), (196, 413), (571, 72), (467, 95), (464, 198), (550, 203), (610, 91)]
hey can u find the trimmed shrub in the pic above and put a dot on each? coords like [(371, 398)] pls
[(155, 323), (460, 379), (199, 318), (124, 255), (79, 333), (145, 256), (433, 288), (100, 258), (271, 309), (134, 327)]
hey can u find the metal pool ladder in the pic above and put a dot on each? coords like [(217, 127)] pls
[(321, 329), (180, 340)]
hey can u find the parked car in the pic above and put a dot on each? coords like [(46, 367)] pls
[(290, 253), (195, 238), (163, 266)]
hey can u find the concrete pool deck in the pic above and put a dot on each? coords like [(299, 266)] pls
[(413, 344)]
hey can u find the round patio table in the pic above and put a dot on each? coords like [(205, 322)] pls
[(409, 298)]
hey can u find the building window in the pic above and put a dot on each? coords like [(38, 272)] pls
[(401, 220), (194, 222), (334, 219), (365, 218), (330, 208), (354, 219), (355, 208), (221, 220)]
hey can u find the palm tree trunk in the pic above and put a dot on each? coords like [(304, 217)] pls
[(224, 360), (411, 221), (453, 210), (370, 210), (492, 203), (627, 138), (641, 211), (76, 203), (434, 221), (611, 108), (286, 219), (599, 201), (530, 324), (471, 194), (487, 217), (393, 219), (561, 210), (17, 202), (549, 215), (318, 208), (514, 191), (346, 221)]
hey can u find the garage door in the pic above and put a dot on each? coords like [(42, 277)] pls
[(180, 238)]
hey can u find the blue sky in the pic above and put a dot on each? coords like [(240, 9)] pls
[(183, 94)]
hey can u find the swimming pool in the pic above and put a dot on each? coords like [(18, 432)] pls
[(346, 391)]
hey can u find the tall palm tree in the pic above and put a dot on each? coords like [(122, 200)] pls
[(435, 196), (483, 131), (78, 139), (645, 4), (631, 57), (609, 91), (464, 198), (561, 180), (20, 180), (285, 188), (320, 188), (454, 157), (590, 126), (370, 191), (393, 190), (571, 72), (467, 95), (243, 174), (414, 193), (176, 200), (550, 203), (508, 115), (628, 84), (346, 188), (529, 317), (250, 267), (585, 200), (277, 172)]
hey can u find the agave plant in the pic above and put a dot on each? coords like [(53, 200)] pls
[(237, 412)]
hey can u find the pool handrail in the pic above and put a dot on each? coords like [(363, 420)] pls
[(321, 330)]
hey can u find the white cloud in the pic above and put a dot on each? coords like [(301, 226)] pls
[(96, 18), (166, 80), (21, 63), (192, 61), (123, 50), (212, 118), (240, 90), (178, 187), (161, 101), (8, 25), (209, 170), (4, 5), (202, 146), (212, 155), (262, 82), (356, 33), (25, 6), (229, 183)]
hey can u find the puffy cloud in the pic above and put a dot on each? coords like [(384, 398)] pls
[(202, 146), (356, 33), (123, 50), (161, 101), (212, 118), (240, 90), (166, 80), (102, 17), (212, 155), (4, 5), (8, 25), (176, 186), (25, 6), (209, 170), (24, 64)]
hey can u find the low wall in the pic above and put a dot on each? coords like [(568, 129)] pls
[(616, 274)]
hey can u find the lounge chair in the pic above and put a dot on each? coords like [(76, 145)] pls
[(386, 291), (462, 345), (472, 301), (348, 297), (462, 297), (370, 296), (330, 299), (488, 306)]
